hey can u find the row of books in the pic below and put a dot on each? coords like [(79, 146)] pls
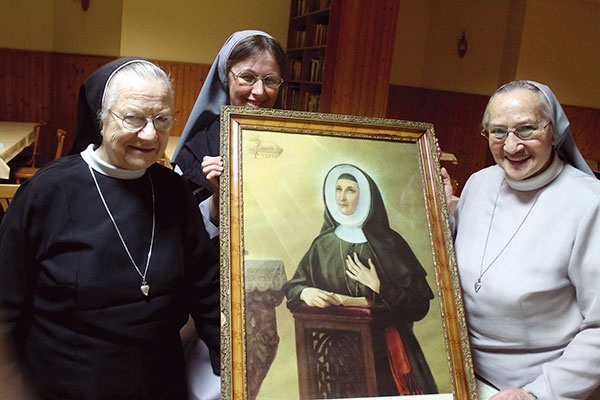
[(316, 70), (315, 73), (294, 70), (299, 39), (320, 39), (292, 100), (321, 34), (306, 6)]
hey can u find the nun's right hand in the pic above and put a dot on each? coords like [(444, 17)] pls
[(212, 168)]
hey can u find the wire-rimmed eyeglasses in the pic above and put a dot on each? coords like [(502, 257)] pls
[(523, 132), (248, 78), (162, 123)]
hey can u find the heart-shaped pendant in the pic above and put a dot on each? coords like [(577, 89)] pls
[(145, 288)]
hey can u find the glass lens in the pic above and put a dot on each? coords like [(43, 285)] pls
[(272, 81), (163, 122), (246, 78), (133, 122), (497, 133), (525, 131)]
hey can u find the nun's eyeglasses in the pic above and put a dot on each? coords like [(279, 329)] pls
[(248, 78), (162, 123), (523, 132)]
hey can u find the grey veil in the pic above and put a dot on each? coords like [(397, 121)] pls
[(214, 93), (563, 141)]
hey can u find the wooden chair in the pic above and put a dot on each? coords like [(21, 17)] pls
[(22, 173), (7, 192)]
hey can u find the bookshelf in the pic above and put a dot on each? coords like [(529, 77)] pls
[(308, 45), (339, 57)]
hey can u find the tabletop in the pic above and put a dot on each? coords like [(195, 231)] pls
[(14, 137)]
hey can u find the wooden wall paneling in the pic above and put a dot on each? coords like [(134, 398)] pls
[(358, 65), (457, 121), (331, 55), (383, 58), (359, 68), (585, 128), (42, 86), (456, 118), (345, 60), (69, 71), (188, 79), (24, 93)]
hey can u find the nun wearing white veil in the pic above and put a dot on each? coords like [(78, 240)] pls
[(358, 254)]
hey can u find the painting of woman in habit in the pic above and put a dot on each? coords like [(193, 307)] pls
[(357, 255)]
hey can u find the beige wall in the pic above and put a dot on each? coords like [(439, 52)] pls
[(174, 30), (557, 42), (561, 46), (26, 24), (96, 31), (194, 30)]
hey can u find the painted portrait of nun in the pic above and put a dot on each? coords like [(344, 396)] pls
[(358, 258)]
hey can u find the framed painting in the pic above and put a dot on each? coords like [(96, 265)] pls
[(338, 274)]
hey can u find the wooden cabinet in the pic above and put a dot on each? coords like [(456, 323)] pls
[(339, 56)]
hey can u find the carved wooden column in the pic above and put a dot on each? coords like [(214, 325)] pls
[(263, 282)]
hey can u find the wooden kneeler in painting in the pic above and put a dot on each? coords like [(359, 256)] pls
[(338, 348)]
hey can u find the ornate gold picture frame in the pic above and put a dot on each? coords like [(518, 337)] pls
[(398, 323)]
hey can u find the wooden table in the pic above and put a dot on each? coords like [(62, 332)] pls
[(14, 137)]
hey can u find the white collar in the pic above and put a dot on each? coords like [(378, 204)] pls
[(92, 159), (350, 234), (538, 181)]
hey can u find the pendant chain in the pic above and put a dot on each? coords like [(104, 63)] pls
[(145, 288), (482, 271)]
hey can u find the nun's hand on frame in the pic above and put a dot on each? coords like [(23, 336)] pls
[(447, 182), (315, 297), (360, 273), (212, 168)]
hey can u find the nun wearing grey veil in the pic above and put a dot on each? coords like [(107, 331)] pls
[(201, 137), (527, 248), (201, 134)]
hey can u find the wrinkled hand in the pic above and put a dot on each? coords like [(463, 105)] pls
[(512, 394), (316, 297), (212, 168), (448, 189), (360, 273)]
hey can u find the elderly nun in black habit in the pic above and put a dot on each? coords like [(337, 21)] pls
[(103, 253), (358, 255)]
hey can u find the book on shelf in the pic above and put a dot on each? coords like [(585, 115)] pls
[(321, 34), (300, 38), (290, 97), (323, 4), (312, 101), (295, 70), (301, 7), (316, 69)]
